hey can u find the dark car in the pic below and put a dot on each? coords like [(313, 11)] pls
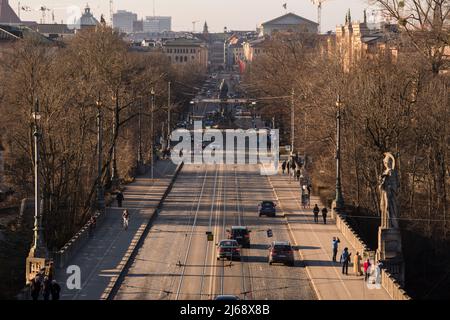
[(227, 298), (228, 249), (241, 235), (281, 252), (267, 208)]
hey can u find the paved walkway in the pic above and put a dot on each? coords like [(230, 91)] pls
[(102, 258), (315, 244)]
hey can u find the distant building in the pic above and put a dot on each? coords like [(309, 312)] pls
[(138, 26), (255, 48), (216, 47), (157, 24), (355, 40), (54, 31), (7, 14), (87, 20), (183, 51), (289, 23), (124, 21)]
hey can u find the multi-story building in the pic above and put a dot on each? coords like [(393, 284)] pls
[(7, 14), (289, 22), (157, 24), (255, 48), (183, 51), (355, 40), (124, 21)]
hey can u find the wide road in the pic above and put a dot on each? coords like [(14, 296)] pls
[(177, 262)]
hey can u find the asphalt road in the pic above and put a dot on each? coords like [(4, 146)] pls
[(177, 262)]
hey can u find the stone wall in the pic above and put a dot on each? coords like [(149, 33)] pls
[(388, 282)]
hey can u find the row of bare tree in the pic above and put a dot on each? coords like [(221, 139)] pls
[(397, 103), (67, 81)]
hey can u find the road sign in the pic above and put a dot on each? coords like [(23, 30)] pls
[(210, 236), (269, 233)]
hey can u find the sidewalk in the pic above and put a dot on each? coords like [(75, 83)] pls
[(102, 258), (315, 246)]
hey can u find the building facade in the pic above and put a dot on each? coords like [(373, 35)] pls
[(124, 21), (157, 24), (183, 51), (288, 23)]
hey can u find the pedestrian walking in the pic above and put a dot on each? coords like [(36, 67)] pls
[(366, 267), (288, 168), (46, 288), (357, 264), (55, 290), (126, 219), (35, 288), (283, 166), (298, 173), (51, 271), (335, 247), (324, 215), (316, 211), (345, 259), (120, 199)]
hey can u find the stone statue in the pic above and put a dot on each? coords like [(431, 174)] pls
[(388, 189)]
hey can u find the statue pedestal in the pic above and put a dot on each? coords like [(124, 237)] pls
[(390, 252)]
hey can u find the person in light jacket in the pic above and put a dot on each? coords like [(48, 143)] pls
[(357, 264)]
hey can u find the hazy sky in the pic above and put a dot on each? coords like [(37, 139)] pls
[(235, 14)]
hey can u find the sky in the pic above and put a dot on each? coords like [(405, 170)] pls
[(234, 14)]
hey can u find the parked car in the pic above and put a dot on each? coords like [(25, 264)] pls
[(281, 252), (227, 298), (241, 235), (267, 208), (228, 249)]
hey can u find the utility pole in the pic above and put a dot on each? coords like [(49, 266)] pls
[(152, 130), (339, 198), (100, 191), (168, 115), (292, 121)]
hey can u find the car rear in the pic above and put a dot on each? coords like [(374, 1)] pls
[(241, 235), (267, 208), (228, 249), (281, 252)]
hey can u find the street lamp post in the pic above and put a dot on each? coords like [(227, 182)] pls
[(38, 249), (140, 135), (100, 191), (292, 121), (152, 130), (168, 115), (339, 198), (114, 174)]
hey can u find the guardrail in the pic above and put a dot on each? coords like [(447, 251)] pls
[(63, 256)]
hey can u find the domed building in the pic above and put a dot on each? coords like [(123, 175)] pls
[(87, 20)]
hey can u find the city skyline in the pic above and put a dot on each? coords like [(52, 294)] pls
[(233, 14)]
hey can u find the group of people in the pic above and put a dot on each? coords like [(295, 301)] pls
[(44, 284), (291, 168), (316, 212), (346, 258)]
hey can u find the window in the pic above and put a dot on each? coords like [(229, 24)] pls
[(176, 58), (185, 58)]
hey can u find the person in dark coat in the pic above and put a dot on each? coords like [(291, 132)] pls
[(283, 166), (55, 290), (120, 199), (345, 259), (46, 288), (35, 288), (316, 211), (324, 215)]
